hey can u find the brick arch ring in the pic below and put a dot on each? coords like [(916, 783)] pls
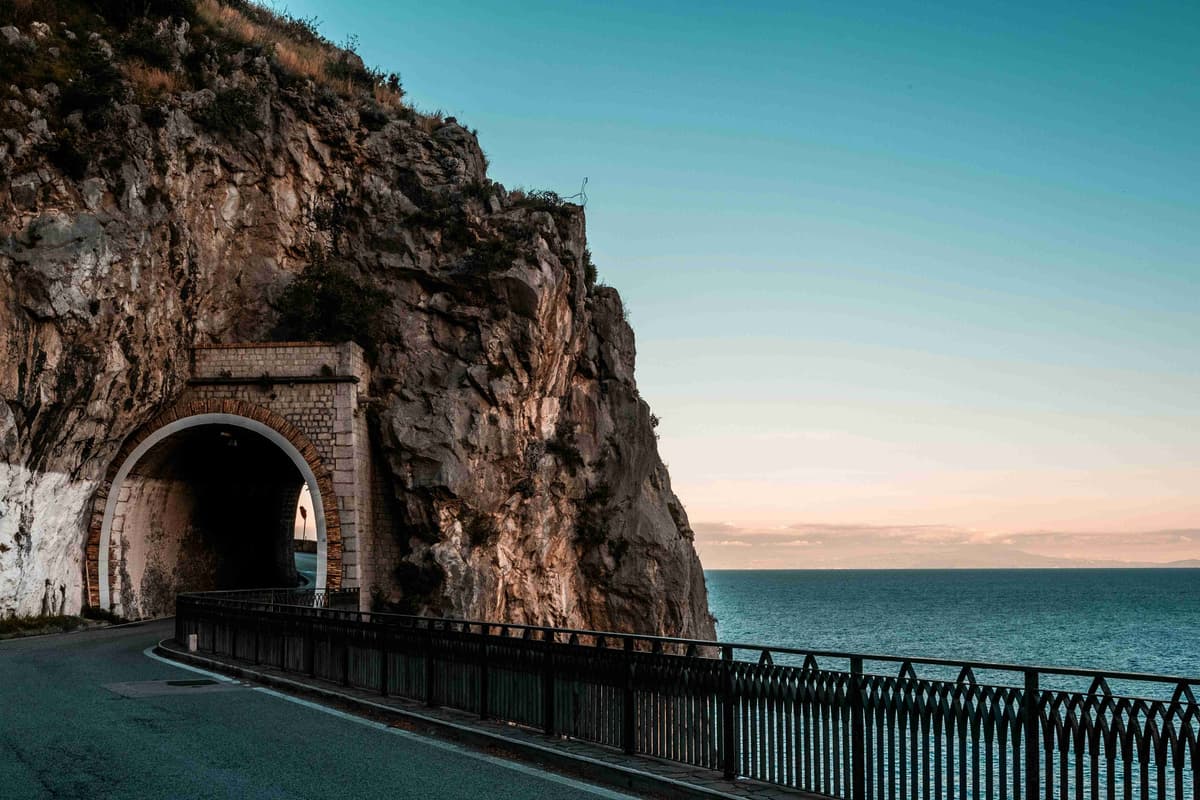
[(238, 413)]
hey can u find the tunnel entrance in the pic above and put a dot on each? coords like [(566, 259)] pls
[(203, 503), (209, 507), (202, 496)]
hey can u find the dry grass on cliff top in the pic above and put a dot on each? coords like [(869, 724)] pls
[(309, 57), (150, 82), (293, 45)]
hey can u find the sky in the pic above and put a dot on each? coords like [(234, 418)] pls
[(917, 284)]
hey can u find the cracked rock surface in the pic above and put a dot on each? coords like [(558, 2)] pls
[(521, 463)]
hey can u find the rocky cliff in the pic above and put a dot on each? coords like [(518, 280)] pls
[(167, 170)]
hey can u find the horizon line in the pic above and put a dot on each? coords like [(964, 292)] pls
[(1140, 566)]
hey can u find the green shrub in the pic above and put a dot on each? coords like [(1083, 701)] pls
[(29, 626), (155, 117), (69, 154), (534, 450), (87, 16), (480, 530), (123, 13), (478, 190), (98, 85), (617, 549), (333, 213), (17, 61), (589, 269), (494, 255), (562, 446), (548, 201), (142, 43), (324, 303), (591, 524), (567, 453), (231, 112), (444, 216), (542, 201), (373, 116), (102, 615), (417, 582), (497, 370)]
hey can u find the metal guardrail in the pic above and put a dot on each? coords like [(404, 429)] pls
[(778, 716)]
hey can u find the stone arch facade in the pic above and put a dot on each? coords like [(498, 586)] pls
[(304, 398), (208, 412)]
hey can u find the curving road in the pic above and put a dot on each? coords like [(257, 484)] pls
[(306, 565), (91, 715)]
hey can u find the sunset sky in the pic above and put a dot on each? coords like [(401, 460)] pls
[(913, 285)]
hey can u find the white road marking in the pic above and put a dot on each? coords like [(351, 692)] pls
[(149, 653), (450, 747)]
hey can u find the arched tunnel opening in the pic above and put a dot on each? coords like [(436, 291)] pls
[(208, 507), (305, 540)]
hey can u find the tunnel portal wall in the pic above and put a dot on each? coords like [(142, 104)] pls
[(308, 394)]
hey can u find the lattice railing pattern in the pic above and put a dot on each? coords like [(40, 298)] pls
[(883, 734)]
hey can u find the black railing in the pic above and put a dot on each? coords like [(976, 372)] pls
[(779, 716)]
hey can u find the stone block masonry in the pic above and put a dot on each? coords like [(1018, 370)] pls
[(307, 396)]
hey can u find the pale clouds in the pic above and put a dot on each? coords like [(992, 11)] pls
[(724, 545)]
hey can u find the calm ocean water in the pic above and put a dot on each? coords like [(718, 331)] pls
[(1136, 620)]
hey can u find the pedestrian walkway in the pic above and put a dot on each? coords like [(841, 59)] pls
[(641, 774)]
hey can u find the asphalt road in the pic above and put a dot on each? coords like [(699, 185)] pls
[(63, 734), (306, 565)]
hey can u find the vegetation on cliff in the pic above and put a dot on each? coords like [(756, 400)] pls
[(89, 57)]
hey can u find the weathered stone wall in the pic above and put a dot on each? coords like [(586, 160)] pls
[(279, 360), (325, 405)]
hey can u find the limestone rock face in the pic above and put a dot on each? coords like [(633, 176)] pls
[(522, 474)]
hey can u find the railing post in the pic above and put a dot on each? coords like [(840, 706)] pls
[(310, 649), (483, 672), (430, 695), (257, 637), (548, 682), (629, 710), (345, 656), (858, 730), (1030, 703), (729, 755), (384, 663)]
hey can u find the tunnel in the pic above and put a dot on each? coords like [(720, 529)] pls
[(204, 505)]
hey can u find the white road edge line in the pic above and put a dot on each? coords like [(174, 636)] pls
[(596, 791), (149, 653)]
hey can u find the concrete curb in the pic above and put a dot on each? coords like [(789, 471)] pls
[(613, 776)]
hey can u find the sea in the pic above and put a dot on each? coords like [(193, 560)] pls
[(1123, 620)]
